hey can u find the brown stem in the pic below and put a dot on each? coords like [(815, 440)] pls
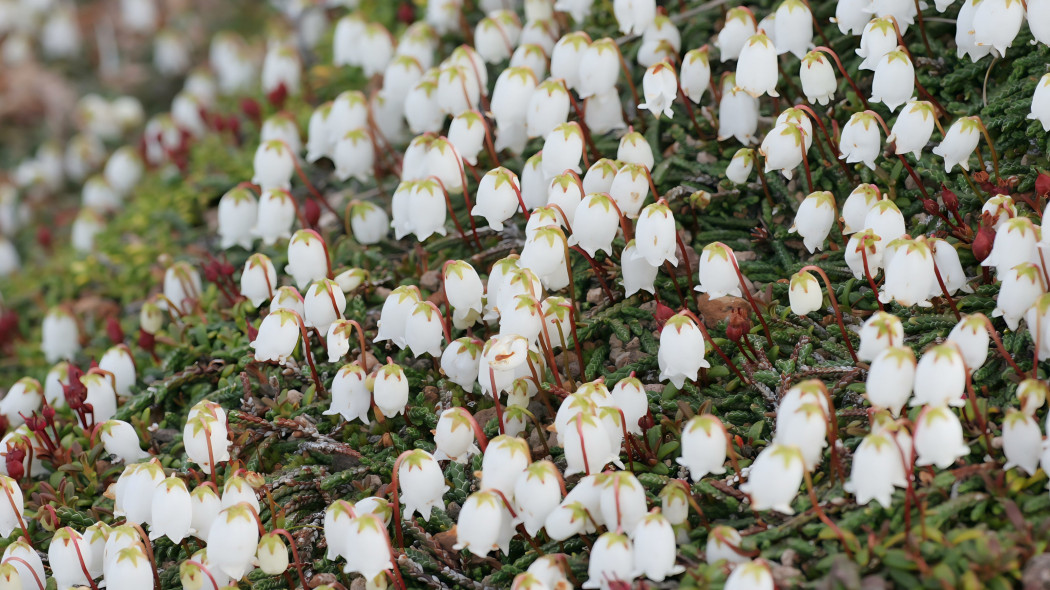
[(495, 397), (149, 552), (583, 447), (309, 355), (83, 565), (834, 304), (824, 517), (944, 289), (718, 349), (295, 555), (18, 514), (451, 213), (627, 74), (867, 273), (991, 147), (999, 345), (750, 299)]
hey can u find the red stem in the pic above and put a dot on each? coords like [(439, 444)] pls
[(834, 304), (495, 396)]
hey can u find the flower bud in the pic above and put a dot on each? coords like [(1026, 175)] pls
[(272, 554), (1019, 288), (739, 169), (782, 149), (1031, 393), (775, 478), (278, 336), (681, 352), (939, 437)]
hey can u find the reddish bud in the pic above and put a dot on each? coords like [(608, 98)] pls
[(312, 212), (48, 413), (114, 331), (738, 325), (663, 313), (251, 109), (982, 243), (277, 96), (951, 200), (14, 459), (147, 341), (931, 206), (233, 124), (43, 237), (406, 13), (983, 180), (1042, 184), (253, 332)]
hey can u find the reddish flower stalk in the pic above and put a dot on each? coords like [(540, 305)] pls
[(750, 299), (834, 304), (21, 522), (39, 583), (309, 185), (947, 295), (999, 345), (495, 397), (583, 446), (201, 567), (867, 273), (627, 74), (451, 213), (310, 355), (845, 74), (295, 555), (824, 517), (84, 568), (714, 345)]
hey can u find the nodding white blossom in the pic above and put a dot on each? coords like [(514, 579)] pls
[(121, 440), (506, 457), (938, 437), (695, 73), (350, 396), (1032, 394), (739, 113), (422, 484), (367, 547), (278, 335), (997, 23), (467, 134), (855, 208), (681, 352), (60, 336), (703, 446), (133, 492), (323, 304), (390, 390), (804, 293), (886, 220), (660, 89), (172, 510), (637, 273), (424, 330), (461, 362), (512, 95), (814, 218), (738, 28), (1016, 241), (100, 394), (454, 436), (287, 297), (913, 128), (484, 524), (12, 512), (793, 28), (894, 80), (634, 16), (537, 492), (716, 271), (206, 441), (594, 224), (634, 149), (852, 15), (876, 470), (1037, 317), (818, 78), (891, 379), (909, 275), (630, 188), (548, 107), (775, 478), (861, 140), (880, 331), (940, 377), (971, 336), (655, 235), (740, 166), (565, 60), (64, 554), (1022, 441), (233, 540), (751, 575), (611, 560), (368, 222), (1041, 98), (959, 143), (878, 38), (599, 68), (307, 258), (399, 303), (497, 197), (1019, 288), (275, 216), (496, 35), (756, 70), (783, 149), (23, 398), (238, 211)]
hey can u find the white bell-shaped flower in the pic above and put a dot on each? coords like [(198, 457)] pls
[(818, 78), (723, 545), (703, 446), (1039, 20), (783, 149), (629, 396), (424, 330), (275, 216), (1032, 394), (695, 74), (1037, 316), (804, 294), (599, 68), (971, 336), (274, 165), (637, 273), (630, 188), (959, 143), (660, 89), (390, 390), (876, 470), (681, 352), (1022, 441), (421, 483), (497, 197), (398, 305), (861, 140), (134, 491), (171, 511), (1016, 241), (64, 553), (891, 378), (939, 437), (913, 128), (909, 275), (537, 492), (461, 361), (635, 149), (879, 332), (894, 81), (611, 560), (793, 28), (855, 208), (565, 59), (716, 271), (774, 479), (594, 224), (23, 398), (233, 540), (997, 23), (205, 439), (940, 377), (1041, 98), (815, 217), (886, 220), (258, 279), (511, 96), (307, 258), (205, 506), (350, 396), (738, 112), (655, 235), (60, 337), (100, 395), (586, 445), (756, 69), (1019, 288), (547, 108), (454, 436), (740, 166), (484, 524), (876, 40), (278, 335), (738, 28), (323, 304), (563, 149), (121, 440), (367, 546), (634, 16), (506, 457)]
